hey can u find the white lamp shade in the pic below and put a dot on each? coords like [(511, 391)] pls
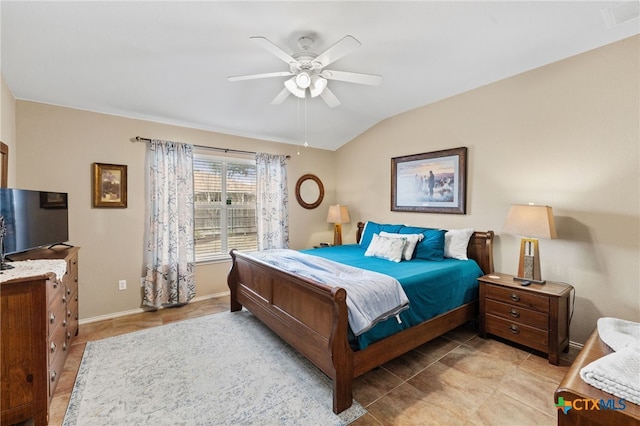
[(338, 214), (318, 84), (530, 221), (303, 79), (293, 87)]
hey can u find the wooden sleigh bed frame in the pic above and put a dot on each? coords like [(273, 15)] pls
[(312, 317)]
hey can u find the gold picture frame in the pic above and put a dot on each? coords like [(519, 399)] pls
[(109, 185)]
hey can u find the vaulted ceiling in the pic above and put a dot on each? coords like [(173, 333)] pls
[(169, 61)]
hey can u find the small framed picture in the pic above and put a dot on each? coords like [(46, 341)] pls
[(109, 185), (432, 182)]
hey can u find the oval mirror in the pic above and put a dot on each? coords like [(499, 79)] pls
[(309, 191)]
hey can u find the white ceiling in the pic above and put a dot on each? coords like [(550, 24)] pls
[(169, 61)]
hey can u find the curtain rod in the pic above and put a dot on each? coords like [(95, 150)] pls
[(238, 151)]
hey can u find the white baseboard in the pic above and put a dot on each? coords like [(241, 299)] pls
[(140, 310), (575, 345)]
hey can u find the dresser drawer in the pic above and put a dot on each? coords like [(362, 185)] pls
[(57, 344), (520, 298), (72, 317), (56, 316), (517, 332), (517, 314), (54, 290), (57, 347)]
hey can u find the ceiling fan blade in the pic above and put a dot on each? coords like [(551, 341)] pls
[(329, 98), (343, 47), (281, 97), (256, 76), (273, 49), (352, 77)]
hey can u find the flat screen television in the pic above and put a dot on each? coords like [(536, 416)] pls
[(33, 219)]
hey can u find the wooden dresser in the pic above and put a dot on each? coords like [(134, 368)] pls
[(39, 319), (536, 316)]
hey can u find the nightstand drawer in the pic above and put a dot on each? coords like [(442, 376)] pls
[(518, 314), (520, 333), (520, 298)]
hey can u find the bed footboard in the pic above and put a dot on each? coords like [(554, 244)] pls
[(311, 317)]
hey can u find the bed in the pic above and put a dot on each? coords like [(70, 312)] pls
[(313, 317)]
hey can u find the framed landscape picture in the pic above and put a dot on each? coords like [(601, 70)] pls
[(432, 182), (109, 185)]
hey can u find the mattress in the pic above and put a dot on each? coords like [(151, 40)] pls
[(433, 287)]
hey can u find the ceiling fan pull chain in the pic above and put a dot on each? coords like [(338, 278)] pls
[(306, 144), (298, 122)]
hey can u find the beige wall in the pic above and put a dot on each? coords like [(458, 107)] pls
[(565, 135), (57, 147), (8, 126)]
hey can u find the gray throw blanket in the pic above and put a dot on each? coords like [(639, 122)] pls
[(371, 297)]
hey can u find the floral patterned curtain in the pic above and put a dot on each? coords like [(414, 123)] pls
[(272, 201), (169, 251)]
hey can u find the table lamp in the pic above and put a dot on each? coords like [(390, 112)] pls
[(338, 215), (531, 222)]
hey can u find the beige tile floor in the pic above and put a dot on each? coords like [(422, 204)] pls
[(456, 379)]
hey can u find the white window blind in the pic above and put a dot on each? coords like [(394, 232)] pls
[(225, 205)]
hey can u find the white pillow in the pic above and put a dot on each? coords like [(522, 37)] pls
[(386, 248), (456, 242), (409, 247)]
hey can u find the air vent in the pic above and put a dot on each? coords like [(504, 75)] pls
[(621, 14)]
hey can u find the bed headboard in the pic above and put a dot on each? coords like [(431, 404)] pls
[(480, 247)]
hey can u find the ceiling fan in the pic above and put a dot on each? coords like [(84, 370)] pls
[(307, 69)]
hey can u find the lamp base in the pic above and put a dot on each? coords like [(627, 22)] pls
[(337, 235), (531, 280), (529, 265)]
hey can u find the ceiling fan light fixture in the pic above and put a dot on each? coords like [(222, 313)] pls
[(293, 87), (303, 79), (318, 84)]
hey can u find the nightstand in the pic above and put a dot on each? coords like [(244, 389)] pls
[(536, 315)]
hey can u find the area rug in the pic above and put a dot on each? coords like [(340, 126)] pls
[(222, 369)]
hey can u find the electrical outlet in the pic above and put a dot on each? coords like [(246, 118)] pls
[(122, 285)]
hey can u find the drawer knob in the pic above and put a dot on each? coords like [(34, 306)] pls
[(53, 376), (515, 297), (514, 313), (52, 318), (514, 329), (53, 347)]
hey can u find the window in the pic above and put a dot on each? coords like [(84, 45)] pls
[(225, 205)]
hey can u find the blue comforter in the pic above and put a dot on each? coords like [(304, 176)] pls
[(433, 287)]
